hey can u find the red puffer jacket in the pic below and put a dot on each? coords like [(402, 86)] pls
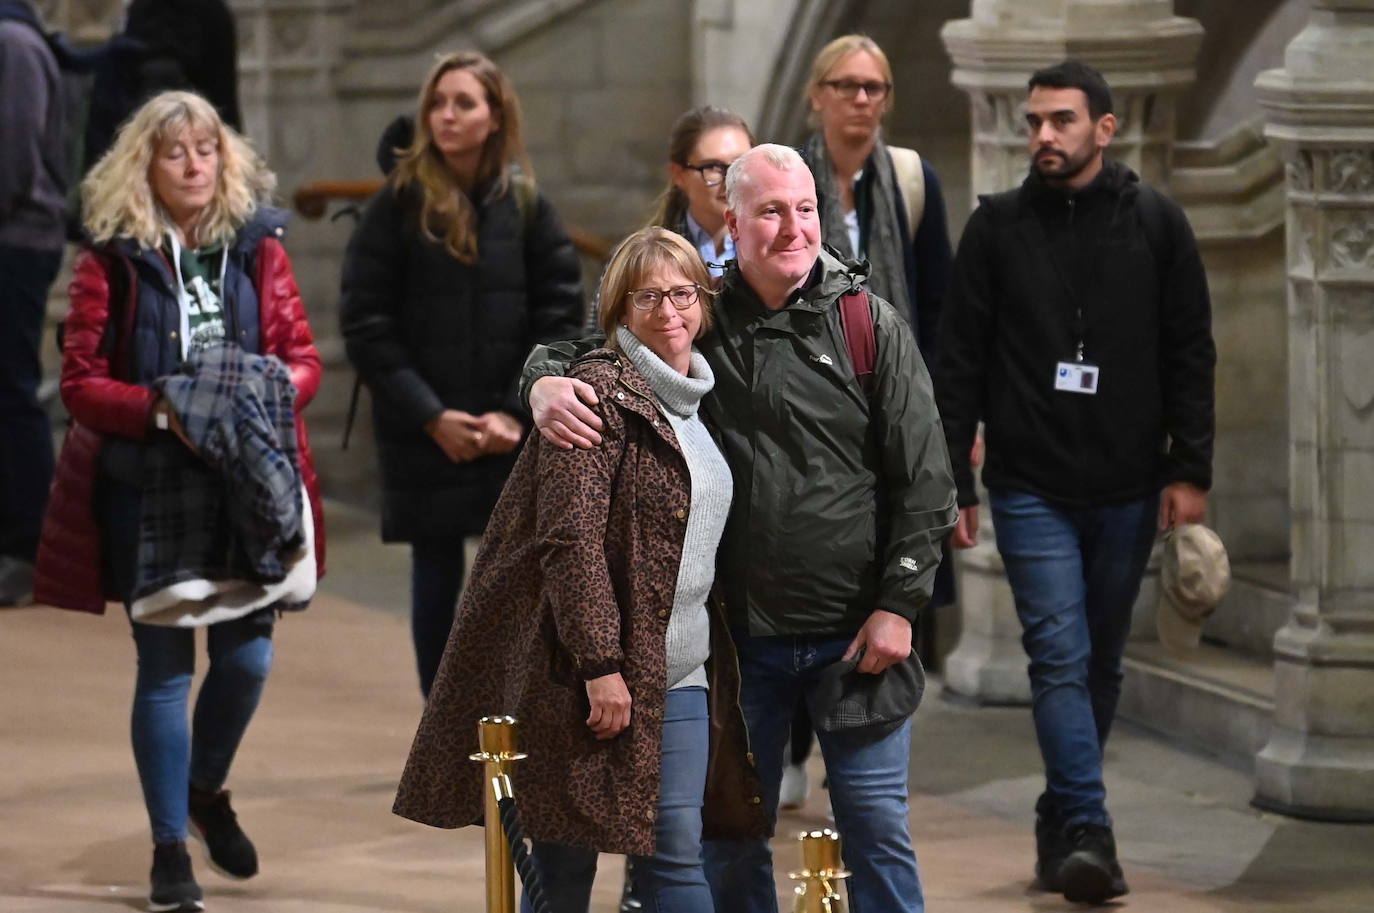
[(69, 551)]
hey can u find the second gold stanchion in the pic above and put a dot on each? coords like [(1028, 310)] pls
[(821, 873)]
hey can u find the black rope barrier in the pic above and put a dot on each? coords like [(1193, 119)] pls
[(525, 865)]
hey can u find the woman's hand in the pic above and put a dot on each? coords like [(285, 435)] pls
[(610, 701), (460, 435), (501, 432)]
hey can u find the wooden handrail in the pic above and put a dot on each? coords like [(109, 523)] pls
[(312, 201)]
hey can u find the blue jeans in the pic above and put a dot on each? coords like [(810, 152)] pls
[(170, 756), (671, 880), (868, 786), (26, 460), (1075, 574), (436, 579)]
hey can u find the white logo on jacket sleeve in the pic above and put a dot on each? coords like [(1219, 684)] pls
[(822, 359), (909, 563)]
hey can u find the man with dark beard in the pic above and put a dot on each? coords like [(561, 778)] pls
[(1078, 329)]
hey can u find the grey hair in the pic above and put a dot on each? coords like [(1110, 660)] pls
[(783, 158)]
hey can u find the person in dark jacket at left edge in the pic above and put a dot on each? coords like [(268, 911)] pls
[(457, 268)]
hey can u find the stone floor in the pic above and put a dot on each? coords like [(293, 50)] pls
[(314, 781)]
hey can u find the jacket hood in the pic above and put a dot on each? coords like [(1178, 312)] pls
[(1115, 178), (398, 134)]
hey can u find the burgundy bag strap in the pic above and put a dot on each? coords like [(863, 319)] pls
[(859, 339)]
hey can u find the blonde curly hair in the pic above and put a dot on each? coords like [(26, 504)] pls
[(117, 197)]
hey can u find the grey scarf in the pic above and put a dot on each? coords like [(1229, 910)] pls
[(888, 276)]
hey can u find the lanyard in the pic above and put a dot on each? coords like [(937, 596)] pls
[(184, 297)]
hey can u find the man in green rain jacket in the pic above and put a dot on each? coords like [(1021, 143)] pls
[(841, 502)]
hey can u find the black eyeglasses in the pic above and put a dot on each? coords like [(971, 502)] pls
[(849, 89), (712, 173), (681, 297)]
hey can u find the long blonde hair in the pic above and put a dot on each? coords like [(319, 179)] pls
[(117, 198), (446, 213)]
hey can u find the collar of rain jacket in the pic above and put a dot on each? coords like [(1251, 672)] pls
[(639, 396), (830, 278)]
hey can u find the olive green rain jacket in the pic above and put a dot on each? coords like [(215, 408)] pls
[(841, 500)]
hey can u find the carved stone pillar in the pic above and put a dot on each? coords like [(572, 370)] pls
[(1146, 54), (289, 54), (1320, 109), (289, 51)]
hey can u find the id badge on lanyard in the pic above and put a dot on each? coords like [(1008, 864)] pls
[(1077, 376)]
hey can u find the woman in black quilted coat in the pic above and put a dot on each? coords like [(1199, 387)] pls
[(458, 266)]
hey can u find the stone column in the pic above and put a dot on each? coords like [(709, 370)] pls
[(1146, 53), (1320, 108)]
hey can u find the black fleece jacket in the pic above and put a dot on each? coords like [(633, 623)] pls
[(1029, 260)]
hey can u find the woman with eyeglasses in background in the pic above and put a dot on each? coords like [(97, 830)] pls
[(703, 144), (878, 202)]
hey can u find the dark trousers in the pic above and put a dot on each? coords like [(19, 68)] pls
[(436, 579), (26, 459)]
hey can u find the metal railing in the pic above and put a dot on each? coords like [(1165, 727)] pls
[(505, 838), (507, 852)]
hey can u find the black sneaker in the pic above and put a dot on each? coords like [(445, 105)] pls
[(174, 887), (227, 847), (629, 903), (1090, 873), (1051, 845)]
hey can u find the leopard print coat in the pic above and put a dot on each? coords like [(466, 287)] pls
[(575, 579)]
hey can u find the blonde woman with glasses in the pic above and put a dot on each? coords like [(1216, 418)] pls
[(878, 202)]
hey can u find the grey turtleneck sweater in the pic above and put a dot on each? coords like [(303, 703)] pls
[(689, 626)]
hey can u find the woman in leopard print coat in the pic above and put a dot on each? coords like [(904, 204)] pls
[(575, 579)]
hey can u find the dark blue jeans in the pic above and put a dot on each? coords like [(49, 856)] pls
[(26, 460), (671, 880), (1075, 574), (867, 778), (170, 755), (436, 579)]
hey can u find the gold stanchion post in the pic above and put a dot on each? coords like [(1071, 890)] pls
[(821, 873), (496, 736)]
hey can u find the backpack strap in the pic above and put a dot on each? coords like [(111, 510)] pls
[(856, 318), (911, 180)]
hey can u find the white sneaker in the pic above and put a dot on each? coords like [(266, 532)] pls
[(794, 788)]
